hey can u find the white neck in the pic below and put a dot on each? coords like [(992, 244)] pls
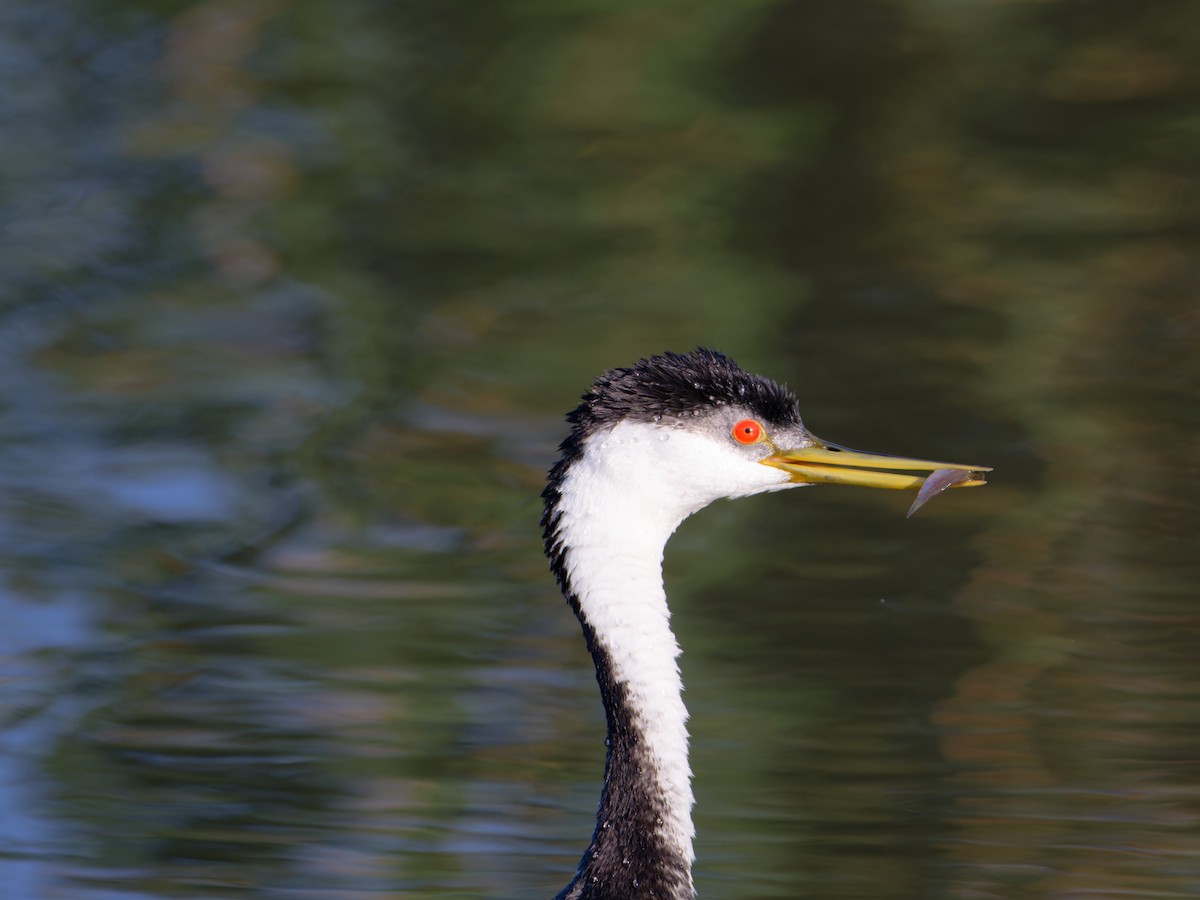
[(619, 501), (616, 539)]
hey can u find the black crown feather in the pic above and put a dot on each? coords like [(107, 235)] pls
[(680, 384)]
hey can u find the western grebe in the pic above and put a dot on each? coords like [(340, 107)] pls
[(649, 446)]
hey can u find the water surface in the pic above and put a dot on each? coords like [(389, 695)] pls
[(293, 297)]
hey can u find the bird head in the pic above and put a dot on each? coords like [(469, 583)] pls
[(679, 431)]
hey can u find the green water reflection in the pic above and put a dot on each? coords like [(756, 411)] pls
[(293, 297)]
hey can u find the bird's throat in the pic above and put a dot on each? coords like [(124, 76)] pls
[(612, 575)]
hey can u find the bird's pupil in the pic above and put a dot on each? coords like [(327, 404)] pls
[(747, 431)]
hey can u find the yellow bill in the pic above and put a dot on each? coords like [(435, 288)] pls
[(824, 463)]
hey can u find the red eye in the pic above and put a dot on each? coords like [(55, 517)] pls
[(747, 431)]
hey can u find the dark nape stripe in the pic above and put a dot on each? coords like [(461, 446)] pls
[(627, 857)]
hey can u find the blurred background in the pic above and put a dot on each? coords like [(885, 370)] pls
[(294, 295)]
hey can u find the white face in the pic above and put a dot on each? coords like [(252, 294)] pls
[(680, 466)]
